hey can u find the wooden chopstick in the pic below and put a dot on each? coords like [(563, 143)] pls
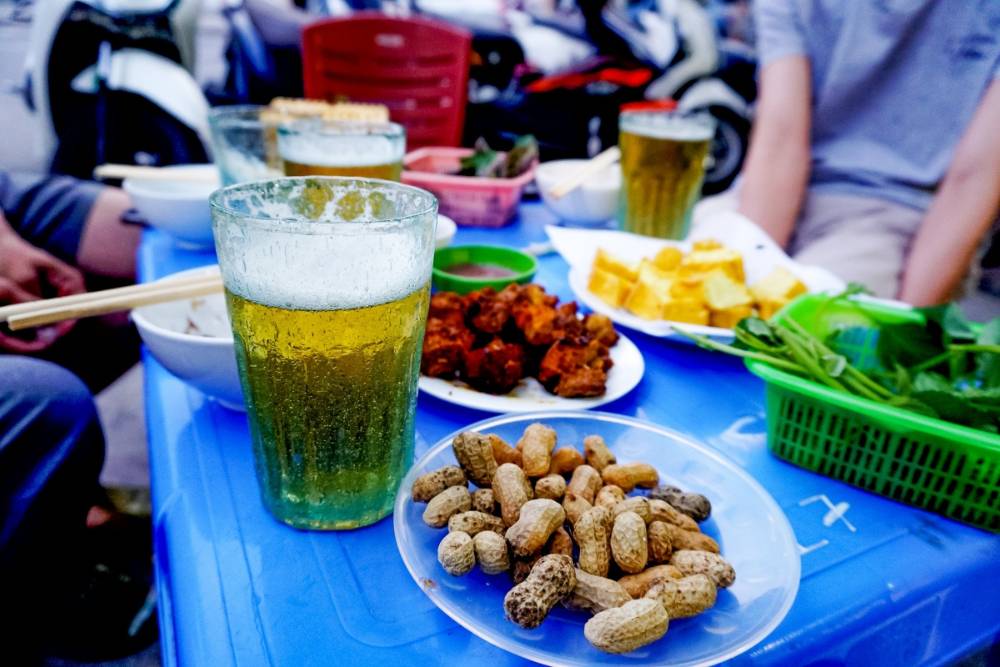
[(79, 299), (179, 174), (576, 179), (49, 311)]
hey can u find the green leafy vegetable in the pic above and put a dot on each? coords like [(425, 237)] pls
[(943, 366), (486, 162)]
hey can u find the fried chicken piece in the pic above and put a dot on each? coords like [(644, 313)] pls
[(488, 312), (535, 315), (601, 328), (575, 367), (582, 382), (447, 307), (445, 347), (567, 323), (496, 368)]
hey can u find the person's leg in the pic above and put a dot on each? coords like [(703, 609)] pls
[(860, 239), (51, 453)]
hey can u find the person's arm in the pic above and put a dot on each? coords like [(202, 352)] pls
[(776, 171), (966, 204)]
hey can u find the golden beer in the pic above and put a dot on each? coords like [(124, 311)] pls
[(327, 283), (663, 164), (390, 171), (342, 148), (331, 395)]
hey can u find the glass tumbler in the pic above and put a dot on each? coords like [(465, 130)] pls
[(663, 165), (317, 147), (245, 143), (327, 283)]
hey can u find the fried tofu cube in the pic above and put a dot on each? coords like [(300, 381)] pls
[(610, 288), (766, 308), (723, 293), (706, 244), (728, 318), (706, 261), (626, 270), (669, 258), (649, 293), (688, 288), (776, 289), (692, 311)]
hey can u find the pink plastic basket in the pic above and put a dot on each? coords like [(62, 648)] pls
[(471, 201)]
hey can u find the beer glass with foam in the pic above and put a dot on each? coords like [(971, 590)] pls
[(317, 147), (327, 283), (663, 164)]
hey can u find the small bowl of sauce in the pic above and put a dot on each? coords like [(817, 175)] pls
[(467, 268)]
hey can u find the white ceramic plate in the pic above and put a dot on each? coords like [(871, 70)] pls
[(578, 279), (752, 531), (530, 395), (760, 256)]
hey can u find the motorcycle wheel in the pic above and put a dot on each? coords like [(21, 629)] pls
[(729, 147)]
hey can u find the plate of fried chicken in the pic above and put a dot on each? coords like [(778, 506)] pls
[(520, 350)]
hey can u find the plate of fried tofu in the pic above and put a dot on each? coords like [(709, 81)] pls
[(727, 271)]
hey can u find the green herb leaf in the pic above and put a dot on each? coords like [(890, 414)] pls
[(988, 363)]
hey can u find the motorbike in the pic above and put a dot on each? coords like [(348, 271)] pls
[(111, 81), (699, 70), (653, 50)]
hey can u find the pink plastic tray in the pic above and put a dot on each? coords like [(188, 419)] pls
[(471, 201)]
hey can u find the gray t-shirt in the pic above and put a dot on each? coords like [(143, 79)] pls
[(895, 83)]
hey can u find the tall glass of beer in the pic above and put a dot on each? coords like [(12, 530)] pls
[(317, 147), (663, 164), (327, 283)]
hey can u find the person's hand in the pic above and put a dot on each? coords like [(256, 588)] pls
[(32, 269), (25, 272), (32, 340)]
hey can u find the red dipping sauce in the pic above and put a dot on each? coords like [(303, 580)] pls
[(479, 270)]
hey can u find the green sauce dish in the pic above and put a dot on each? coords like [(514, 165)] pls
[(467, 268)]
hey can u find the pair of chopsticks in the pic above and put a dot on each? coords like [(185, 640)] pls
[(600, 161), (48, 311), (194, 174)]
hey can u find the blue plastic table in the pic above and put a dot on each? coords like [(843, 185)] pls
[(882, 583)]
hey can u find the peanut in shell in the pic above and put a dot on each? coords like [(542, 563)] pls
[(629, 546), (451, 501), (474, 453), (551, 579), (623, 629), (429, 485), (456, 554)]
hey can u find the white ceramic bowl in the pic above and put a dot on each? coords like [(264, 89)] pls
[(446, 229), (204, 360), (179, 208), (595, 201)]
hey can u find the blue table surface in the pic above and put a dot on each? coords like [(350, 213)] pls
[(887, 584)]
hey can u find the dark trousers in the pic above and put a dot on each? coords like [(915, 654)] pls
[(51, 453)]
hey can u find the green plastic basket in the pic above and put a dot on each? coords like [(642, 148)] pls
[(918, 460)]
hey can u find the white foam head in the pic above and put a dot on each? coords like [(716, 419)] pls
[(283, 259), (665, 125), (350, 145)]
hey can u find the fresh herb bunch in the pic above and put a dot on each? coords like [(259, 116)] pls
[(945, 367), (487, 162)]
